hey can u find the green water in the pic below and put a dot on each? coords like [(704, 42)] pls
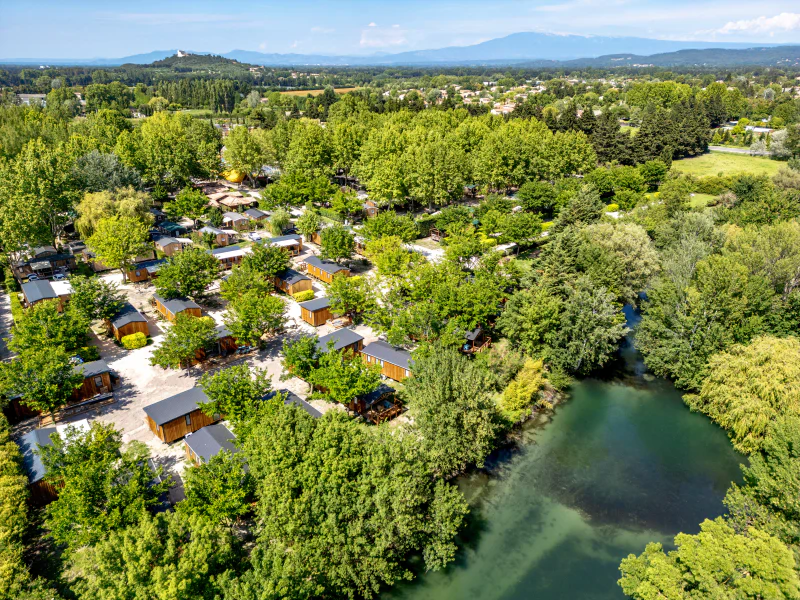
[(621, 463)]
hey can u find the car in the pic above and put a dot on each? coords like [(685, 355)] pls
[(33, 277), (59, 277), (254, 236)]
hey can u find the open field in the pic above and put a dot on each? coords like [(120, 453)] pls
[(721, 163), (700, 200), (316, 92)]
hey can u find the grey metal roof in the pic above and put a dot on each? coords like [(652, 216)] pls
[(176, 406), (283, 238), (29, 447), (372, 397), (255, 213), (294, 399), (234, 216), (165, 241), (222, 332), (291, 276), (387, 353), (90, 369), (224, 249), (176, 305), (127, 314), (316, 304), (210, 440), (38, 290), (150, 266), (325, 265), (209, 229), (341, 338)]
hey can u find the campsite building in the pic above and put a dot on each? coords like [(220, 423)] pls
[(207, 442), (174, 417), (221, 238), (145, 271), (293, 243), (229, 256), (343, 339), (324, 270), (292, 282), (235, 220), (256, 215), (316, 312), (96, 380), (170, 309), (40, 290), (128, 321), (168, 245), (394, 362), (44, 261)]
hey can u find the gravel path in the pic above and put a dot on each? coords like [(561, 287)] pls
[(732, 150), (6, 321)]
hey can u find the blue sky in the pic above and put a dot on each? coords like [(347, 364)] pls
[(110, 28)]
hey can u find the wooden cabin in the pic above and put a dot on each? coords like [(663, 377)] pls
[(128, 321), (229, 256), (343, 340), (324, 270), (96, 380), (256, 215), (90, 258), (292, 282), (44, 261), (145, 271), (290, 398), (235, 221), (41, 290), (158, 215), (170, 309), (476, 341), (226, 343), (174, 417), (394, 362), (377, 406), (172, 229), (168, 245), (42, 492), (370, 208), (221, 238), (293, 243), (316, 312), (205, 443)]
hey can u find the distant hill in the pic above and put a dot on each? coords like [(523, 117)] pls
[(782, 56)]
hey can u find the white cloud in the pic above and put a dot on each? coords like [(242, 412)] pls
[(322, 30), (372, 24), (382, 37), (779, 23), (295, 44)]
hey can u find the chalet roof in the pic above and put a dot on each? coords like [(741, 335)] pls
[(151, 266), (29, 445), (165, 240), (224, 249), (90, 369), (127, 314), (38, 290), (341, 339), (171, 227), (222, 332), (325, 265), (210, 440), (474, 334), (291, 276), (372, 397), (283, 240), (292, 398), (176, 305), (176, 406), (233, 216), (254, 213), (316, 304), (209, 229), (387, 353), (43, 249)]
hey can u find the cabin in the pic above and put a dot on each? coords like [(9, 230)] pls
[(295, 400), (377, 406), (221, 238), (145, 271), (370, 208), (174, 417), (316, 312), (324, 270), (170, 309), (44, 261), (90, 258), (204, 444), (394, 362), (343, 339), (229, 256), (168, 245), (256, 215), (96, 380), (226, 343), (292, 282), (158, 216), (235, 220), (172, 229), (128, 321), (40, 290), (41, 491), (476, 341), (293, 244)]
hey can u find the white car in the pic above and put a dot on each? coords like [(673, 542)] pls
[(59, 277), (33, 277)]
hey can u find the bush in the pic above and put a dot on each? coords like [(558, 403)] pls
[(12, 285), (612, 208), (17, 312), (88, 353), (331, 214), (547, 225), (424, 224), (134, 341), (304, 296)]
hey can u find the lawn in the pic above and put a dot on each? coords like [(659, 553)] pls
[(316, 92), (723, 163), (700, 200)]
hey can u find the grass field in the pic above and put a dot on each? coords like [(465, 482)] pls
[(316, 92), (700, 200), (723, 163)]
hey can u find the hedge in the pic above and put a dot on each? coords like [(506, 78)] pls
[(304, 296), (13, 515), (17, 312), (134, 341)]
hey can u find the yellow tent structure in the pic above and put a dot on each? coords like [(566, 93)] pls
[(234, 176)]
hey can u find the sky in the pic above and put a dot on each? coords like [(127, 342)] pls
[(114, 28)]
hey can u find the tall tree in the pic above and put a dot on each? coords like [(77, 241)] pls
[(243, 153), (182, 343), (43, 377), (118, 241), (187, 274), (251, 316)]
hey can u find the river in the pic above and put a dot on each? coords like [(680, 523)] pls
[(620, 463)]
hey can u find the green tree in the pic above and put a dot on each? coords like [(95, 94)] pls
[(95, 298), (453, 411), (346, 203), (252, 315), (189, 203), (183, 341), (308, 223), (337, 243), (300, 357), (675, 196), (389, 223), (352, 296), (243, 279), (217, 490), (653, 172), (235, 393), (243, 153), (279, 221), (531, 319), (390, 257), (344, 376), (187, 274), (43, 326), (118, 241), (122, 202), (267, 260), (584, 208), (97, 172), (521, 228), (537, 196)]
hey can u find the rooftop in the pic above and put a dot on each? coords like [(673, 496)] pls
[(176, 305), (176, 406), (316, 304), (341, 339), (210, 440), (291, 276), (38, 290), (90, 369), (29, 445), (388, 353), (127, 314), (325, 265)]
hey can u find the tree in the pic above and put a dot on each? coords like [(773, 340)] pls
[(675, 196), (749, 387), (118, 241), (346, 203), (390, 256), (531, 319), (183, 341), (43, 377), (584, 208), (521, 228), (267, 260), (352, 296), (95, 298), (279, 221), (523, 392), (243, 153), (171, 555), (104, 487), (187, 274), (300, 357), (653, 172), (217, 490), (243, 279), (123, 202), (454, 414), (97, 172), (251, 316), (537, 196), (344, 376), (337, 243), (189, 203), (610, 144), (715, 563), (389, 223), (43, 326), (308, 223), (236, 393)]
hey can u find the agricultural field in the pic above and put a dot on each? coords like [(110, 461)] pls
[(722, 163), (316, 92)]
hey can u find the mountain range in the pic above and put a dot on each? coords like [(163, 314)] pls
[(526, 47)]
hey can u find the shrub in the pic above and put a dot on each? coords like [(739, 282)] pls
[(304, 296), (17, 312), (134, 341), (88, 353), (331, 214), (547, 225), (488, 242), (12, 285), (424, 224), (612, 208)]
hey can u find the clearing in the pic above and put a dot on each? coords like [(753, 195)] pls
[(723, 163)]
